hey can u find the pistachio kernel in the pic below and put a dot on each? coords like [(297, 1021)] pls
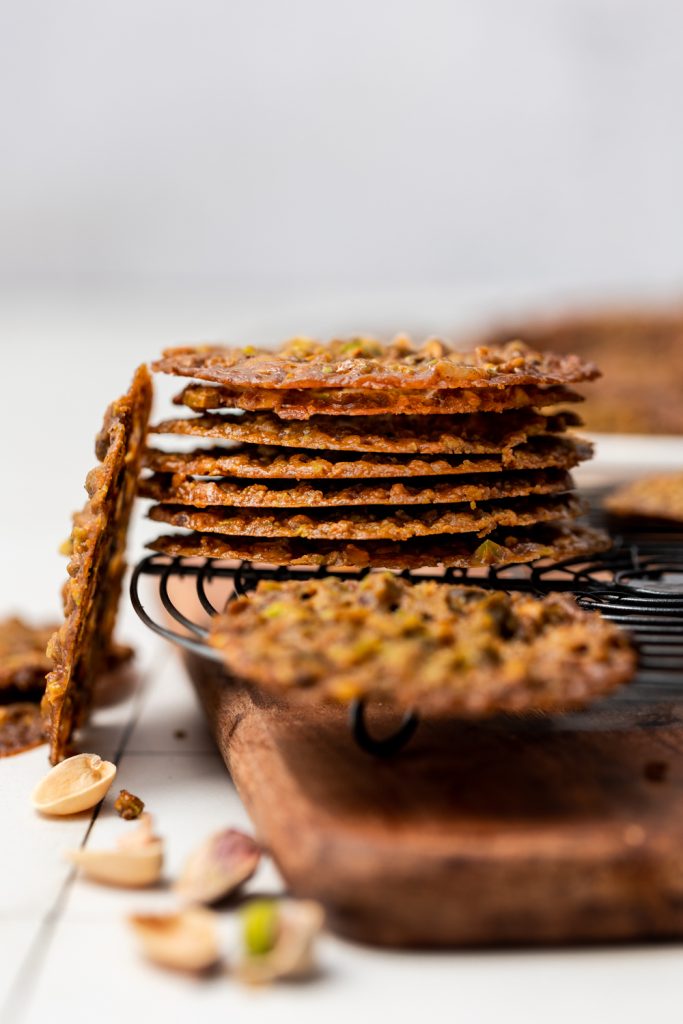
[(128, 806)]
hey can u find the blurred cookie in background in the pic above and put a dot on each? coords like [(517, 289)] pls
[(650, 497), (640, 353)]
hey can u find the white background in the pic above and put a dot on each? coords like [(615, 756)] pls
[(313, 143)]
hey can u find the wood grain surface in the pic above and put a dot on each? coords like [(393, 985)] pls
[(528, 831)]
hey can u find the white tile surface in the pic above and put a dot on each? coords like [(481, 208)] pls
[(314, 142), (17, 933), (32, 870), (64, 953), (166, 712), (189, 792)]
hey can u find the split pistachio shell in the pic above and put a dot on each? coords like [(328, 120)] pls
[(136, 861), (141, 837), (218, 867), (186, 941), (128, 869), (292, 954), (74, 785)]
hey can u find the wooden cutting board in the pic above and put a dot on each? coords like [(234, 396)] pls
[(532, 831)]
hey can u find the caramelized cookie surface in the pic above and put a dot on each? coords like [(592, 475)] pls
[(368, 364), (548, 541), (81, 648), (427, 646)]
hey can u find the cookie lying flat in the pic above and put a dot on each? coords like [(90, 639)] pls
[(639, 350), (552, 541), (652, 497), (23, 661), (274, 463), (286, 494), (477, 434), (387, 523), (21, 728), (367, 363), (24, 666), (290, 404), (432, 647), (79, 649)]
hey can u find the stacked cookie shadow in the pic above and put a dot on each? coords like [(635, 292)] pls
[(357, 454)]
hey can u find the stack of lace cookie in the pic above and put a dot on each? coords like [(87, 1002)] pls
[(357, 454)]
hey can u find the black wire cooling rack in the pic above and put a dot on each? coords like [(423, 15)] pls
[(638, 584)]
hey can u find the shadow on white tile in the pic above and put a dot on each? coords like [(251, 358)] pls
[(171, 720), (357, 983)]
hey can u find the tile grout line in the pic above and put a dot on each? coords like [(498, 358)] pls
[(17, 1003)]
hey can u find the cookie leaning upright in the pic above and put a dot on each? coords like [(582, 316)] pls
[(80, 649)]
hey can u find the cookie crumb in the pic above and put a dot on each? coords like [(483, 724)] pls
[(128, 806)]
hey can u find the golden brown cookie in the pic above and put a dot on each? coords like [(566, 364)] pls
[(431, 647), (21, 728), (79, 649), (264, 462), (651, 497), (367, 363), (23, 661), (640, 352), (478, 434), (385, 523), (301, 404), (552, 541), (180, 490)]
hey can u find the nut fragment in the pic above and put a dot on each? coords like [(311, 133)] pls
[(286, 931), (260, 921), (136, 861), (128, 806), (186, 941), (74, 785), (218, 867)]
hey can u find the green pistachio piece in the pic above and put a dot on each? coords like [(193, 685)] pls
[(260, 921), (272, 611), (488, 553)]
